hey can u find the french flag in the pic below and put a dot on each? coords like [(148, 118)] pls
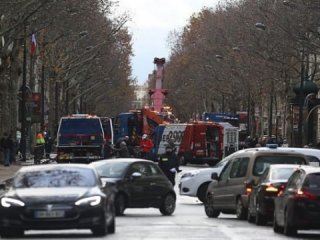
[(33, 44)]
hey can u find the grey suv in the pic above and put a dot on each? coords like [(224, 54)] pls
[(229, 192)]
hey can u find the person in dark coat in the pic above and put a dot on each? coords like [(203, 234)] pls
[(169, 164), (6, 146), (122, 151)]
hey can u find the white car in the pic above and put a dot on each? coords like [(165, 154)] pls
[(194, 183)]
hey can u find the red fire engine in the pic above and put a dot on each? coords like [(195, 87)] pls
[(196, 142)]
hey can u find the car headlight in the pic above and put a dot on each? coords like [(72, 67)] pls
[(190, 174), (92, 201), (11, 202)]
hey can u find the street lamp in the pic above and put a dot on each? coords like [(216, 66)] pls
[(23, 141)]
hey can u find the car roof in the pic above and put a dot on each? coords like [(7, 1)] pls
[(267, 150), (129, 160), (310, 169), (285, 166)]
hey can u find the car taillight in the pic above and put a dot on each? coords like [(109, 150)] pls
[(301, 194), (248, 188), (271, 188)]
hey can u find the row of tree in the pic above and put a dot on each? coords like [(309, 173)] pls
[(81, 62), (244, 55)]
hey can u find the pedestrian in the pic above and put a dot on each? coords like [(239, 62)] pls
[(169, 164), (171, 143), (122, 151), (39, 148), (146, 145), (48, 143), (285, 143), (6, 146)]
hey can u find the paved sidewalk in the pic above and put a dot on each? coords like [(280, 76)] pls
[(8, 172)]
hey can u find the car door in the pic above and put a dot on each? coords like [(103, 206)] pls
[(237, 178), (138, 186), (220, 191), (158, 184), (283, 199)]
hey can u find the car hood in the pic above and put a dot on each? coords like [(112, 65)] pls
[(49, 194)]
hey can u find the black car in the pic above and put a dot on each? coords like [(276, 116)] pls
[(298, 205), (56, 196), (139, 183), (261, 199)]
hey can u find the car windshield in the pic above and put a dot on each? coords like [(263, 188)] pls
[(111, 169), (281, 173), (262, 162), (55, 178)]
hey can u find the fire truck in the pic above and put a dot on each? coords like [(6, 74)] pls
[(80, 138), (196, 142)]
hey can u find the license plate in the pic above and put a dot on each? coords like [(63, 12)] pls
[(49, 214)]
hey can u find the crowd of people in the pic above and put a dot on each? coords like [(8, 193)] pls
[(10, 150)]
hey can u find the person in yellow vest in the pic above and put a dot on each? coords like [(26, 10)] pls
[(40, 138), (39, 148)]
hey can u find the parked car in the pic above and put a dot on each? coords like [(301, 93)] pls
[(261, 199), (298, 206), (56, 196), (194, 183), (139, 183), (229, 192)]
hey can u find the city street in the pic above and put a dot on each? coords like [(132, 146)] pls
[(188, 222)]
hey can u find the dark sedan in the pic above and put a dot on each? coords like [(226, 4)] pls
[(261, 199), (54, 196), (298, 205), (139, 183)]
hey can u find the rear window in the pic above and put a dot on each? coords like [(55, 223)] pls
[(80, 131), (281, 173), (80, 126), (312, 182), (262, 162)]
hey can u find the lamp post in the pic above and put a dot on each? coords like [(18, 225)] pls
[(23, 97)]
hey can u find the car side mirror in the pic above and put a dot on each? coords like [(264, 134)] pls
[(214, 176), (136, 175)]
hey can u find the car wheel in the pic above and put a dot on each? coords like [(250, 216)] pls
[(202, 191), (240, 210), (168, 204), (209, 209), (99, 231), (112, 226), (276, 227), (11, 233), (250, 218), (288, 230), (260, 219), (120, 204)]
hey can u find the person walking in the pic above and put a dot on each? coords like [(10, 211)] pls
[(6, 146), (146, 145), (169, 164)]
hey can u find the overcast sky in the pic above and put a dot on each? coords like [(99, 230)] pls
[(150, 26)]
